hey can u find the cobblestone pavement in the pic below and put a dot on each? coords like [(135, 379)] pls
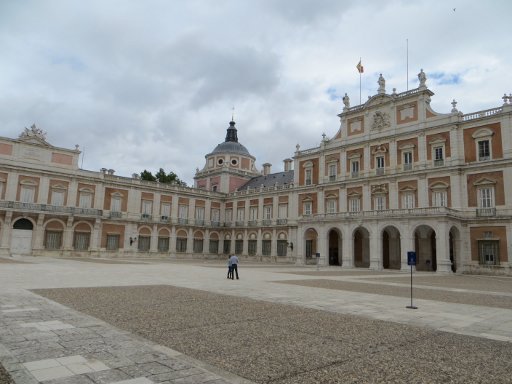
[(42, 341)]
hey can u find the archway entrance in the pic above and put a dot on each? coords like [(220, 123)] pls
[(425, 246), (391, 258), (334, 247), (21, 238), (454, 244), (361, 248), (310, 238)]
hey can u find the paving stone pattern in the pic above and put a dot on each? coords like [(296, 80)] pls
[(44, 342), (275, 343)]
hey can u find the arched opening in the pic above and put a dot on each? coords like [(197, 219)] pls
[(391, 258), (163, 240), (23, 224), (198, 242), (53, 235), (425, 246), (82, 237), (21, 237), (361, 248), (144, 242), (213, 246), (454, 244), (310, 238), (334, 247)]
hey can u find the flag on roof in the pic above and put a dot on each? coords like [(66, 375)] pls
[(360, 67)]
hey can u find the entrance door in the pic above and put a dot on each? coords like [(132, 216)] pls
[(21, 238)]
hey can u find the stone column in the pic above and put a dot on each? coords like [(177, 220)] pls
[(154, 239), (67, 238), (375, 249), (444, 263), (348, 249), (38, 236), (6, 231)]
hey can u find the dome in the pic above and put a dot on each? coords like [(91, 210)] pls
[(231, 147), (231, 144)]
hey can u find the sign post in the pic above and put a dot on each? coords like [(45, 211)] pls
[(411, 260)]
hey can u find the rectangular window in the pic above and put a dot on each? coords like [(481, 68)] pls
[(57, 197), (181, 244), (488, 252), (253, 213), (198, 245), (408, 200), (112, 242), (283, 211), (163, 244), (379, 161), (143, 243), (199, 216), (239, 247), (183, 212), (252, 246), (214, 246), (379, 203), (228, 215), (308, 177), (354, 167), (1, 189), (266, 247), (147, 207), (81, 241), (240, 213), (486, 197), (85, 200), (484, 150), (354, 204), (331, 205), (440, 199), (438, 156), (267, 212), (332, 172), (53, 240), (282, 247), (115, 204), (308, 208), (407, 161), (27, 194), (215, 215)]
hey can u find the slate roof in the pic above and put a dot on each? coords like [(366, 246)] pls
[(270, 180)]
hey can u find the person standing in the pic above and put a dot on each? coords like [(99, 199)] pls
[(234, 266), (230, 268)]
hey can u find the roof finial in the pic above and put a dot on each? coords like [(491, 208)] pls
[(233, 113)]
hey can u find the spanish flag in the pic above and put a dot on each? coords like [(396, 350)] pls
[(360, 67)]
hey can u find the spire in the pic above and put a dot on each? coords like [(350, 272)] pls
[(231, 133)]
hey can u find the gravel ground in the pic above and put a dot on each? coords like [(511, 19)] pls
[(446, 296), (4, 376), (281, 344), (11, 261)]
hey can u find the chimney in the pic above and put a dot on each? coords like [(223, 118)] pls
[(288, 164), (266, 169)]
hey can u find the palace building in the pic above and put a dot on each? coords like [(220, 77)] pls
[(396, 177)]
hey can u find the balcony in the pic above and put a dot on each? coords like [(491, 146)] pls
[(252, 223), (116, 215), (164, 218), (227, 224), (145, 216), (215, 223), (407, 166), (50, 208), (438, 163), (355, 174), (182, 221), (332, 177), (282, 221), (267, 222), (239, 223), (379, 171), (486, 212), (199, 222)]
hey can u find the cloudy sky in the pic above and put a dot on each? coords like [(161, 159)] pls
[(151, 84)]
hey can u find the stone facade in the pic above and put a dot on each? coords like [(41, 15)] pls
[(396, 177)]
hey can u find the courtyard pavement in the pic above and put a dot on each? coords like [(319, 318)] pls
[(42, 341)]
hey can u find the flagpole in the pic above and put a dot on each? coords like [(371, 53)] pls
[(359, 84), (407, 60)]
